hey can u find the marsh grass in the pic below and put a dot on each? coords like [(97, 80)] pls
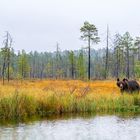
[(44, 98)]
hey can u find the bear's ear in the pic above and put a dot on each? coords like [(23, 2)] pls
[(118, 79), (124, 80)]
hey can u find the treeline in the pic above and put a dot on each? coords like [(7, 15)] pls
[(122, 59)]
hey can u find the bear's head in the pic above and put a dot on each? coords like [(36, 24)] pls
[(122, 84)]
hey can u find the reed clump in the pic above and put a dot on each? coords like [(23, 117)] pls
[(42, 98)]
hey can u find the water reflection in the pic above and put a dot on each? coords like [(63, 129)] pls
[(99, 127)]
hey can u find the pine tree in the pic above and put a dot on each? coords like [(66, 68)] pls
[(90, 34)]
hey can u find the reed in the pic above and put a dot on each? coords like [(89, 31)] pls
[(42, 98)]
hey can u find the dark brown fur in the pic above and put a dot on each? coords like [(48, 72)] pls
[(128, 85)]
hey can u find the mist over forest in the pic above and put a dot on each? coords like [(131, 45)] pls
[(121, 59)]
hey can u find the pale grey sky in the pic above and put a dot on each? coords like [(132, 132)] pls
[(39, 24)]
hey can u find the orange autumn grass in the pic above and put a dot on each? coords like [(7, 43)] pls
[(22, 99)]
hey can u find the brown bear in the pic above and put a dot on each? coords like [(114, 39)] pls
[(128, 85)]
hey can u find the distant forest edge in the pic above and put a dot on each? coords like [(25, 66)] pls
[(120, 60)]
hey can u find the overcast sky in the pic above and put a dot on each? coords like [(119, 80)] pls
[(39, 24)]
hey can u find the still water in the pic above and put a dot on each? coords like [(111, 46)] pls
[(99, 127)]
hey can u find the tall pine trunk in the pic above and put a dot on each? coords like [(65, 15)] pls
[(127, 69), (89, 58)]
